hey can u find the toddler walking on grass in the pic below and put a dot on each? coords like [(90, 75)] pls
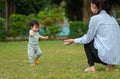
[(34, 52)]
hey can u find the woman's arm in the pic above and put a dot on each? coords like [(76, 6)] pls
[(90, 34), (93, 26)]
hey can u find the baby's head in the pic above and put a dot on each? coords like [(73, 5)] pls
[(34, 25)]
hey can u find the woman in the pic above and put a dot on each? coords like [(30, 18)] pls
[(102, 41)]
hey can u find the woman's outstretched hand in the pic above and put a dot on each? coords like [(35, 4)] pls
[(69, 41)]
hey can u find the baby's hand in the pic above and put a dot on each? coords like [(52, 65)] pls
[(46, 37), (32, 34)]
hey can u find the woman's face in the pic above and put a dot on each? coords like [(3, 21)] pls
[(94, 8)]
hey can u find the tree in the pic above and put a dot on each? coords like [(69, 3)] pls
[(10, 8), (86, 10), (2, 8), (31, 6), (51, 20), (78, 9), (74, 9)]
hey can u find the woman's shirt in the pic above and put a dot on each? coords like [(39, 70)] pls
[(105, 31)]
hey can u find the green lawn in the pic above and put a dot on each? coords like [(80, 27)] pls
[(57, 62)]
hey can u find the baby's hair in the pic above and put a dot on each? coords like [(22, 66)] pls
[(33, 22)]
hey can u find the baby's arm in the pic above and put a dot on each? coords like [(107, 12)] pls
[(44, 37), (32, 34)]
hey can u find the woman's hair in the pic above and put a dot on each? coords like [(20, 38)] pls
[(33, 22), (103, 5)]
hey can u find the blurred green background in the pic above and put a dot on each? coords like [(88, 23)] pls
[(59, 19)]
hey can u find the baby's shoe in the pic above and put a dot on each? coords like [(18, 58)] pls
[(36, 61)]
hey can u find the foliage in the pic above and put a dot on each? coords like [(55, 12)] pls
[(2, 1), (119, 23), (18, 25), (2, 30), (77, 29), (31, 6), (74, 9), (50, 19), (2, 8), (31, 17), (52, 30)]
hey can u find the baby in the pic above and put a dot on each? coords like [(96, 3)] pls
[(34, 52)]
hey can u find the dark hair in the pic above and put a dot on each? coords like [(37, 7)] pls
[(103, 5), (33, 22)]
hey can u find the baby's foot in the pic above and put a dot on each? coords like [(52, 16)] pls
[(36, 61)]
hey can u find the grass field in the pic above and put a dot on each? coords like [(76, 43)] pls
[(57, 62)]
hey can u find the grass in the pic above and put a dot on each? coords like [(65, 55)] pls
[(57, 62)]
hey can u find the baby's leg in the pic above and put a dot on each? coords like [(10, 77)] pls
[(31, 54), (38, 53)]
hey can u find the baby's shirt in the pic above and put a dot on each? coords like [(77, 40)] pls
[(33, 40)]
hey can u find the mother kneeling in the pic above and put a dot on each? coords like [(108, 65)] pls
[(102, 41)]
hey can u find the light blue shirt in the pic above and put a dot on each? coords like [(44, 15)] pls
[(105, 31), (33, 40)]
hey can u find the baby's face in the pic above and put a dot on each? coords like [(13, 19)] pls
[(35, 28)]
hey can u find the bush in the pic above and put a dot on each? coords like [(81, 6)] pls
[(51, 20), (18, 25), (2, 30), (52, 30), (77, 29), (31, 17)]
